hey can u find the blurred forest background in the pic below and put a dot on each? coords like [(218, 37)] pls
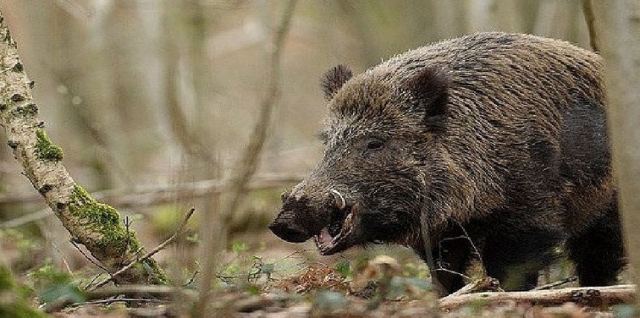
[(153, 101)]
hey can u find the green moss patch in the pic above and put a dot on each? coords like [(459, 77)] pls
[(45, 149), (115, 241), (104, 219)]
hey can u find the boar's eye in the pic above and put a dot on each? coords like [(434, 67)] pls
[(373, 144)]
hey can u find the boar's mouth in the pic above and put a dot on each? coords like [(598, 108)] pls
[(340, 233)]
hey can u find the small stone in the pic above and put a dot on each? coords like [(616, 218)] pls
[(32, 84), (13, 144), (3, 107), (60, 206)]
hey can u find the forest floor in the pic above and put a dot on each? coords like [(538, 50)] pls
[(259, 276), (263, 277)]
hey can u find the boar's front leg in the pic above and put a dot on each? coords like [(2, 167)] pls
[(451, 256)]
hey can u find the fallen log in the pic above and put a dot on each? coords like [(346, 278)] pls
[(585, 296)]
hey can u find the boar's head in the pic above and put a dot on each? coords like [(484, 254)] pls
[(373, 181)]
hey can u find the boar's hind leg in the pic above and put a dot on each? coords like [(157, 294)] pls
[(598, 251), (517, 248)]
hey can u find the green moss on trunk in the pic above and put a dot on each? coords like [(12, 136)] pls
[(105, 220), (116, 242), (45, 149)]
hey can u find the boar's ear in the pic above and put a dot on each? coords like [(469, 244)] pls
[(333, 79), (430, 88)]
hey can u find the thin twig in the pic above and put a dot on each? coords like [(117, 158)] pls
[(475, 248), (93, 280), (191, 279), (90, 259), (247, 165), (150, 253), (160, 291), (466, 237), (127, 225), (442, 269), (64, 260), (127, 291), (481, 285), (114, 300), (557, 283), (75, 10)]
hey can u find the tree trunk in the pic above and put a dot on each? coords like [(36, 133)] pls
[(450, 18), (554, 19), (126, 49), (494, 15), (617, 25), (95, 225)]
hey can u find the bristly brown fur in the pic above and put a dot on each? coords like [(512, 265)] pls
[(522, 161)]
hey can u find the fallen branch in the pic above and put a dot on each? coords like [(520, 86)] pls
[(157, 249), (480, 285), (115, 300), (158, 291), (144, 196), (148, 196), (147, 293), (586, 296), (26, 219), (558, 283), (89, 258)]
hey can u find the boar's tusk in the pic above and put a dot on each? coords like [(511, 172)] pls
[(342, 203)]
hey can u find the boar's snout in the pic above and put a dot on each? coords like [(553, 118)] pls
[(286, 228), (302, 215)]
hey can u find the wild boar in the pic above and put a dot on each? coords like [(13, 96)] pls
[(498, 137)]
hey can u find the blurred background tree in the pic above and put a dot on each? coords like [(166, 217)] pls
[(617, 28)]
